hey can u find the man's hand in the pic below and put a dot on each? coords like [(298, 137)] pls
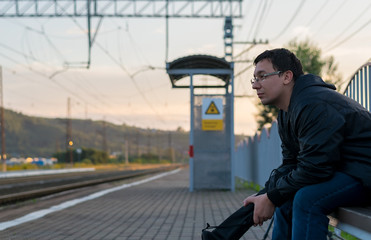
[(263, 209)]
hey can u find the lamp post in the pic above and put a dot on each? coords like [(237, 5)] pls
[(70, 146)]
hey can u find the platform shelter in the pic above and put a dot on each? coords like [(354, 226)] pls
[(211, 119)]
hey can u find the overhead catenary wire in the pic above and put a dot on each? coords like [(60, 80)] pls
[(258, 22), (43, 33), (53, 45), (262, 19), (45, 36), (121, 66), (315, 15), (255, 20), (82, 88), (246, 17), (26, 56), (331, 16), (31, 69), (46, 76), (134, 82), (104, 50), (291, 20), (351, 35), (138, 51), (334, 42)]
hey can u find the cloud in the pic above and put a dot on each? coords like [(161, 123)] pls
[(301, 33)]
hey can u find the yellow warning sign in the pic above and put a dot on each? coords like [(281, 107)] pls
[(212, 114), (212, 125), (212, 109)]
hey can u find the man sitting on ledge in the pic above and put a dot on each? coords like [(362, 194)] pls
[(326, 147)]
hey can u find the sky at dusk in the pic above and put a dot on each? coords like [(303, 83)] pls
[(44, 59)]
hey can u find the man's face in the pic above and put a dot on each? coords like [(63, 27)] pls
[(269, 89)]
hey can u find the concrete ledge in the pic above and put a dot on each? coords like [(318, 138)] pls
[(353, 220)]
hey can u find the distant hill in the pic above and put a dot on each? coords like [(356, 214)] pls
[(27, 136)]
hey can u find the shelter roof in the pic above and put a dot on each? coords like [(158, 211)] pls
[(201, 65)]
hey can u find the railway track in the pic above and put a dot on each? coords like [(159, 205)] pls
[(24, 188)]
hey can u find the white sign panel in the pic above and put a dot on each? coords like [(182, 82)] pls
[(212, 108)]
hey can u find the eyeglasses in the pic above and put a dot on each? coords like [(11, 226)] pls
[(263, 77)]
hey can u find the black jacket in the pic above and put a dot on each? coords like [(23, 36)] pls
[(322, 132)]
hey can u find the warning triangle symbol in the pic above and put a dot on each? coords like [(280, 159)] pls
[(212, 109)]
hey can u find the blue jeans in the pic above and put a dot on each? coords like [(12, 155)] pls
[(305, 217)]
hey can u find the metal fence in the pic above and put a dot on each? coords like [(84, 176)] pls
[(256, 156), (359, 87)]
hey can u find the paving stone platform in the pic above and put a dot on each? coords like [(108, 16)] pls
[(161, 209)]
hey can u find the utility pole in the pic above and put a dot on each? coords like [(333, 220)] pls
[(69, 142), (158, 140), (149, 143), (171, 150), (137, 142), (126, 151), (129, 143), (3, 156), (104, 136)]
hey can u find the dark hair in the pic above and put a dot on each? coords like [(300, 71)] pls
[(282, 60)]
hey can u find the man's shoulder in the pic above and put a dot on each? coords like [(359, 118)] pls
[(313, 95)]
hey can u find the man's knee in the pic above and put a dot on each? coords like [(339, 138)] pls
[(303, 199), (307, 201)]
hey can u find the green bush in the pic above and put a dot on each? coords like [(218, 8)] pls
[(86, 161), (95, 156)]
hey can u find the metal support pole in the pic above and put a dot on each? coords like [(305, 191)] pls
[(89, 33), (126, 151), (69, 142), (232, 129), (167, 31), (191, 140), (3, 156)]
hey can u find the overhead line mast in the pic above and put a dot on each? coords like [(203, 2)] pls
[(120, 8)]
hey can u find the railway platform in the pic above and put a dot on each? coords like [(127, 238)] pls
[(158, 207)]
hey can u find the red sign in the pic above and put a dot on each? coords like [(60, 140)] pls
[(190, 152)]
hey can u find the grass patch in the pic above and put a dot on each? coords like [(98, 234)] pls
[(243, 184), (343, 235)]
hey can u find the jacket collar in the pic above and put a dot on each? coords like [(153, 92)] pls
[(304, 82)]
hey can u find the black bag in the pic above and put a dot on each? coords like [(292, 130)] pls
[(232, 228), (237, 224)]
